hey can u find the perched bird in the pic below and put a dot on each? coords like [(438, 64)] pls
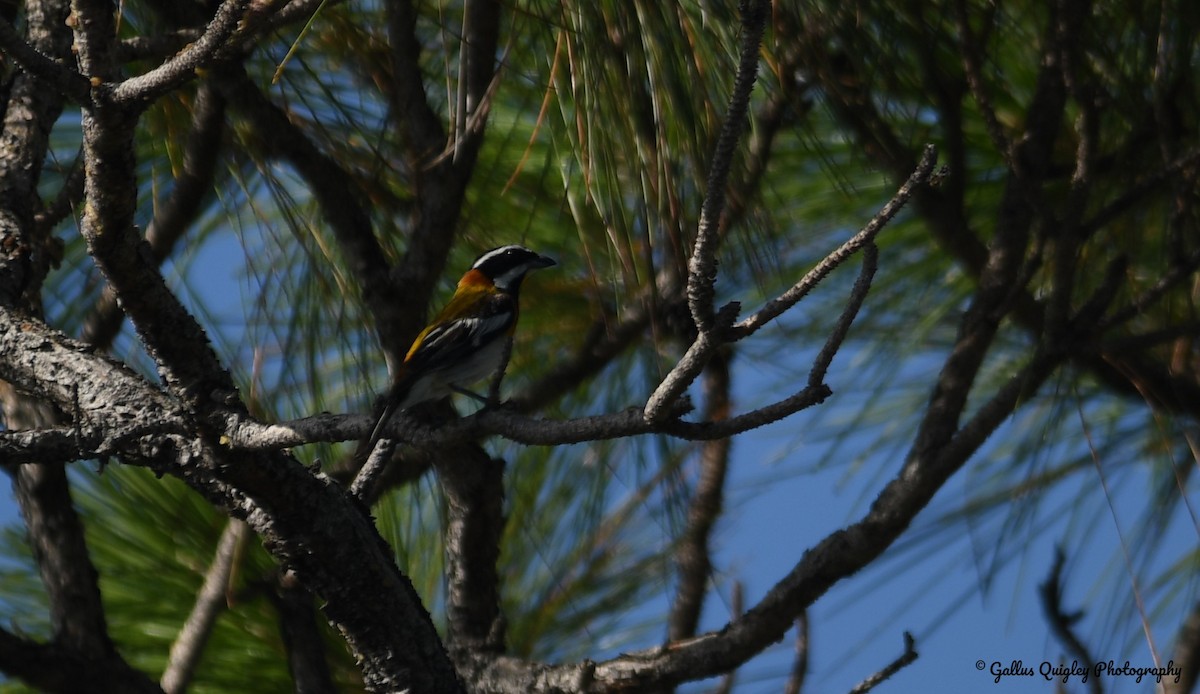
[(467, 340)]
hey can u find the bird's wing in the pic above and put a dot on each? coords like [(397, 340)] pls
[(456, 333)]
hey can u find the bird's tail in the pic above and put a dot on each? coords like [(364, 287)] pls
[(391, 404)]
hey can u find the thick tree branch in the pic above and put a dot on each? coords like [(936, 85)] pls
[(837, 556), (307, 521), (245, 434), (29, 115), (172, 336), (474, 486), (82, 648), (56, 536)]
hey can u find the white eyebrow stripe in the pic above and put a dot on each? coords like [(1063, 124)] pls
[(493, 253)]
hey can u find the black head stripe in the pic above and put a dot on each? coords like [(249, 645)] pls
[(507, 265)]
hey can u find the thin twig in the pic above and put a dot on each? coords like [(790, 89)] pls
[(193, 637), (799, 672), (858, 295), (693, 558), (777, 306), (1062, 623), (182, 67), (363, 486), (905, 659), (702, 267)]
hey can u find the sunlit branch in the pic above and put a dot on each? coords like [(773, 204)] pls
[(173, 219), (858, 295), (777, 306), (364, 484), (702, 267), (182, 67), (193, 637)]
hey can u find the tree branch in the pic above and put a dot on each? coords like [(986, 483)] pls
[(143, 89), (29, 114), (306, 521), (474, 486), (905, 659), (55, 668), (63, 79), (306, 652), (675, 382), (1061, 623), (171, 335), (1187, 653), (777, 306), (172, 219), (858, 295), (193, 637), (702, 267), (441, 181), (837, 556), (799, 671), (692, 556)]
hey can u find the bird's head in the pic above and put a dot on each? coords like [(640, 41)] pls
[(506, 266)]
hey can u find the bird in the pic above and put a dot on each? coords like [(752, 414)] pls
[(467, 341)]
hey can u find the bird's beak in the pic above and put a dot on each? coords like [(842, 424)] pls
[(543, 262)]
